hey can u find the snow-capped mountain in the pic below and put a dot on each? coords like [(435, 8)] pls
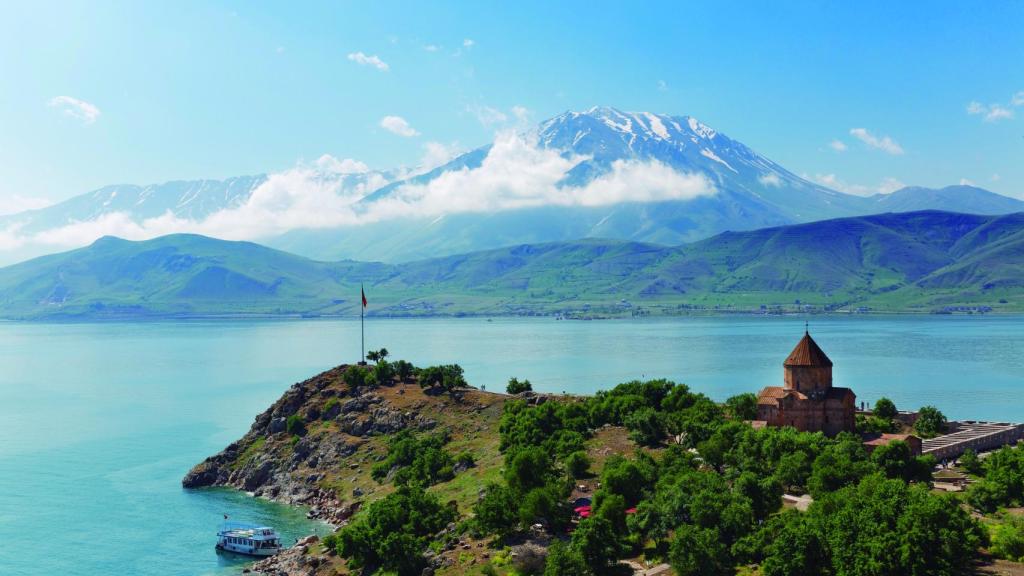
[(597, 173)]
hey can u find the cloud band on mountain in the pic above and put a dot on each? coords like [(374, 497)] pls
[(516, 173)]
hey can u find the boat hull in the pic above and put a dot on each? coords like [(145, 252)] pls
[(247, 551)]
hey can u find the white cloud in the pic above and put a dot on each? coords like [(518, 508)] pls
[(966, 182), (365, 60), (78, 109), (333, 165), (468, 43), (888, 185), (437, 153), (521, 113), (280, 50), (398, 125), (662, 86), (995, 112), (487, 116), (995, 177), (770, 179), (17, 203), (516, 173), (431, 47), (885, 143), (837, 145)]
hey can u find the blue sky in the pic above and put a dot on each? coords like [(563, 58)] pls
[(96, 93)]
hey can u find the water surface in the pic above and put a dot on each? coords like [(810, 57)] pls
[(99, 422)]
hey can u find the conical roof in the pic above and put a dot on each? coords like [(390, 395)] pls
[(807, 353)]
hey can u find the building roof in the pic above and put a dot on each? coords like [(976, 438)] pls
[(883, 439), (807, 353), (771, 395)]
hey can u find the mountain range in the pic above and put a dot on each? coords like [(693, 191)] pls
[(920, 261), (471, 203)]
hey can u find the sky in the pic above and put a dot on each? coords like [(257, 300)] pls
[(863, 97)]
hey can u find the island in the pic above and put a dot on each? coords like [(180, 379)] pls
[(423, 474)]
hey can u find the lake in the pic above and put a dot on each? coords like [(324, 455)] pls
[(99, 422)]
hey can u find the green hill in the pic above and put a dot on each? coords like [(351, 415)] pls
[(919, 261)]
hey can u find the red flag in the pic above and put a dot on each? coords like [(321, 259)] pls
[(363, 293)]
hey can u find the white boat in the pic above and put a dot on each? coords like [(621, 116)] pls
[(245, 538)]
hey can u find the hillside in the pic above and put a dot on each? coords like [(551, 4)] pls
[(922, 261)]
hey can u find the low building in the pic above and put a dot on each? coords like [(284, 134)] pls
[(872, 441), (807, 400)]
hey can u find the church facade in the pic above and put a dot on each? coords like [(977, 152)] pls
[(807, 400)]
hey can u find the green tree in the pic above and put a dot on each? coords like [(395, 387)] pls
[(699, 552), (355, 377), (742, 406), (597, 543), (564, 560), (447, 377), (498, 511), (794, 548), (404, 369), (577, 464), (393, 532), (930, 422), (517, 386), (645, 426), (885, 408), (970, 462)]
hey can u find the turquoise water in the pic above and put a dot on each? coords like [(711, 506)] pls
[(98, 422)]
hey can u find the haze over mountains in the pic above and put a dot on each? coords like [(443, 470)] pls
[(919, 261), (601, 173)]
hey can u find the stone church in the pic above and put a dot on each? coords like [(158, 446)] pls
[(807, 400)]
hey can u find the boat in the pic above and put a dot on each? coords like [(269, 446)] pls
[(250, 539)]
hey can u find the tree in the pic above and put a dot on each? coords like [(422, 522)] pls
[(498, 511), (742, 406), (564, 560), (448, 377), (930, 422), (597, 543), (383, 372), (517, 386), (896, 461), (699, 552), (970, 462), (885, 408), (645, 427), (377, 355), (404, 369), (355, 377), (577, 464), (392, 532), (794, 548)]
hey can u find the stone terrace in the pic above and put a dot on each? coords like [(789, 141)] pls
[(979, 436)]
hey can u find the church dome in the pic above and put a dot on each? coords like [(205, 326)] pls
[(807, 353)]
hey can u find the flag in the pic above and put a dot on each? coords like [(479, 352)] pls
[(363, 293)]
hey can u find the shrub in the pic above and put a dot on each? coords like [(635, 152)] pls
[(742, 406), (1008, 539), (970, 462), (355, 377), (404, 370), (517, 386), (295, 426)]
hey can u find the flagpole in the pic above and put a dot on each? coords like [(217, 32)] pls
[(362, 326)]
